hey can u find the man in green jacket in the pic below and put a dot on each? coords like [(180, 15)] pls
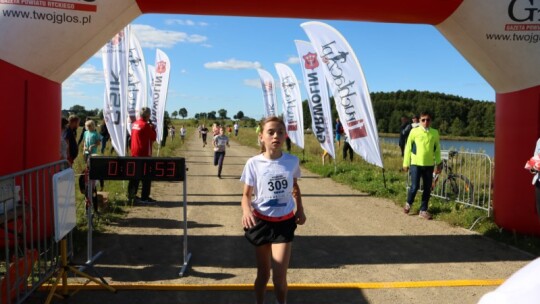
[(423, 157)]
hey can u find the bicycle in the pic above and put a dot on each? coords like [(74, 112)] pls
[(456, 187)]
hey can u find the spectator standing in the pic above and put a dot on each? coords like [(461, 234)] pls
[(81, 137), (220, 142), (415, 121), (71, 136), (404, 131), (64, 144), (339, 132), (269, 218), (172, 132), (104, 132), (423, 157), (347, 149), (536, 178), (143, 135), (91, 139)]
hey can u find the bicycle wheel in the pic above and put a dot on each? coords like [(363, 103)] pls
[(459, 188)]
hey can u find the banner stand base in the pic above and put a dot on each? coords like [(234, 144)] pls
[(62, 276), (185, 266)]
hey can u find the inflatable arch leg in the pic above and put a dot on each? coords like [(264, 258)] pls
[(516, 132)]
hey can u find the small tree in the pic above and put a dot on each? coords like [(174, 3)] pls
[(174, 114), (239, 115), (222, 113), (183, 112)]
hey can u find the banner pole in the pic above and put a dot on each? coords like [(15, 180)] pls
[(384, 178)]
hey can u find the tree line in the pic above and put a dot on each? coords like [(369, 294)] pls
[(452, 115)]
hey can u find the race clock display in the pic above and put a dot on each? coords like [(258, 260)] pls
[(144, 168)]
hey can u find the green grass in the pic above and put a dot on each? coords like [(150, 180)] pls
[(369, 179)]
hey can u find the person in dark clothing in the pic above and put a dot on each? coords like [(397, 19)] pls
[(81, 138), (288, 143), (104, 132), (404, 131), (70, 135), (347, 149)]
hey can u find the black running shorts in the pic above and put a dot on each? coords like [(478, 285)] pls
[(266, 232)]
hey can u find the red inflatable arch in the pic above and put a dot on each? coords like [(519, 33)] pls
[(49, 40)]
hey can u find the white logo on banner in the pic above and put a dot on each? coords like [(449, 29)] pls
[(269, 93), (292, 104), (115, 68), (137, 83), (319, 103), (159, 91)]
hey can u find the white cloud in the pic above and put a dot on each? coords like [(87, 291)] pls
[(152, 37), (293, 60), (232, 64), (186, 22), (255, 82), (86, 74)]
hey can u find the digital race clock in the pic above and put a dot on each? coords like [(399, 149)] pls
[(144, 168)]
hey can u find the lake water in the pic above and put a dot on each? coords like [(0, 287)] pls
[(469, 146)]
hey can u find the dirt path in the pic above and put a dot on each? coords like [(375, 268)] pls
[(349, 237)]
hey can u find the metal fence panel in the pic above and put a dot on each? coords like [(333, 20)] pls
[(466, 178), (28, 252)]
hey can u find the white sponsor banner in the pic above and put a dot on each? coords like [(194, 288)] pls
[(317, 90), (115, 69), (137, 83), (269, 93), (159, 91), (151, 75), (346, 79), (292, 104), (501, 39)]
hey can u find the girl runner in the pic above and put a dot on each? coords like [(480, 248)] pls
[(220, 142), (269, 220)]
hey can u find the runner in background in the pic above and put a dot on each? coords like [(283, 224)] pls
[(269, 220), (220, 142), (235, 129), (204, 133), (182, 133)]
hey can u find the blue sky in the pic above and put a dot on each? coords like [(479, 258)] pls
[(214, 61)]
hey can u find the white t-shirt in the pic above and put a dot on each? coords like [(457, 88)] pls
[(272, 181)]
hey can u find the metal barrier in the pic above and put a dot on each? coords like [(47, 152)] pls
[(28, 251), (466, 178)]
